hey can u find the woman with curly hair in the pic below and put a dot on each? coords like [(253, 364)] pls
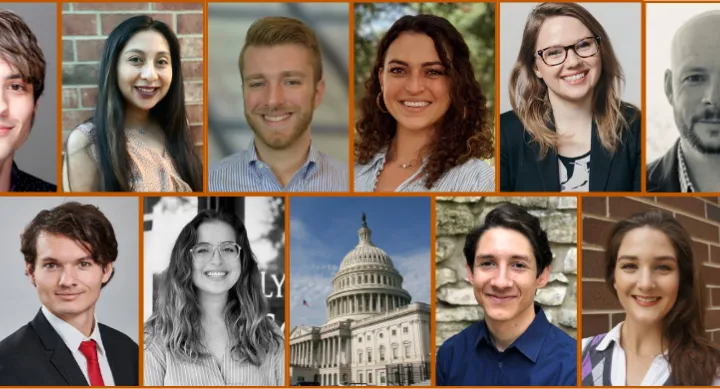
[(569, 129), (210, 326), (424, 125)]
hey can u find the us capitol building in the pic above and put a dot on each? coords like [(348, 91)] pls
[(373, 333)]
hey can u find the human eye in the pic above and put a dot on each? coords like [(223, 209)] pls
[(695, 78), (85, 264), (163, 62), (436, 72), (555, 52), (397, 70), (293, 82), (628, 266), (665, 268), (519, 265), (486, 264), (255, 84), (49, 265), (135, 60)]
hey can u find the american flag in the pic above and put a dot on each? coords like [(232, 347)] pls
[(305, 303)]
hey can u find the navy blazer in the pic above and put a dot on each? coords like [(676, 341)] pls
[(522, 169), (35, 355)]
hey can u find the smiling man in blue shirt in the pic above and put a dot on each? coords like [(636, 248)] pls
[(508, 260)]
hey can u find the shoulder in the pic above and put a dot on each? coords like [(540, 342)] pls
[(82, 137), (632, 116), (564, 343), (30, 183), (17, 342), (116, 337), (512, 129), (231, 162), (473, 175), (461, 341)]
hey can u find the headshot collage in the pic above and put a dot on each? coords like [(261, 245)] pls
[(354, 193)]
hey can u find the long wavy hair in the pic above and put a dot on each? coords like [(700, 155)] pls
[(694, 359), (463, 133), (529, 93), (109, 116), (175, 324)]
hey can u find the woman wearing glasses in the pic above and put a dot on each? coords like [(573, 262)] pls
[(210, 325), (569, 129)]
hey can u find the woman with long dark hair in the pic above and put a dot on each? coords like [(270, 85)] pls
[(424, 124), (649, 266), (137, 139), (210, 325)]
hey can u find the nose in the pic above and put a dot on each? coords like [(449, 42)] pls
[(4, 106), (712, 93), (216, 259), (276, 95), (67, 277), (501, 279), (646, 281), (415, 83), (572, 59), (148, 72)]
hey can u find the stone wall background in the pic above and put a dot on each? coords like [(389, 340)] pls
[(456, 306)]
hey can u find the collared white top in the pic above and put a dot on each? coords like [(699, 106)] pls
[(72, 339), (657, 374)]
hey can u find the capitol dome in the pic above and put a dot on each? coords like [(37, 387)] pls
[(366, 284)]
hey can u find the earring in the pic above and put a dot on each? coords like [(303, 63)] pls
[(379, 103)]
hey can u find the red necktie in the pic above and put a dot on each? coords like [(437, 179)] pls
[(89, 349)]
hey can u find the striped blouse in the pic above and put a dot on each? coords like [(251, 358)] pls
[(161, 369), (474, 175), (244, 172)]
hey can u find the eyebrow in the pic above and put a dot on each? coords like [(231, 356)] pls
[(491, 256), (142, 52), (51, 259), (658, 258), (424, 64), (289, 73)]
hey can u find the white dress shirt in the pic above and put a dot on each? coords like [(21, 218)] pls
[(657, 374), (72, 338)]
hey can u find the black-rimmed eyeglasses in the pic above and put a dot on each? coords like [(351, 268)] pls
[(556, 55), (205, 251)]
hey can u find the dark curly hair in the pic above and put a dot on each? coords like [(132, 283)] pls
[(463, 133)]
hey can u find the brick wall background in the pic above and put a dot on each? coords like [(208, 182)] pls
[(85, 27), (699, 215), (455, 216)]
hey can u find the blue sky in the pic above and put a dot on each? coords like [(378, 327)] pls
[(324, 229)]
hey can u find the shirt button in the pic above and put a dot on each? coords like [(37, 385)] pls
[(500, 364)]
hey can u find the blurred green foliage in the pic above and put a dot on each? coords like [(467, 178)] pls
[(475, 21)]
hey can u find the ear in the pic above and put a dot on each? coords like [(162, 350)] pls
[(537, 71), (107, 272), (29, 271), (469, 273), (542, 280), (380, 77), (319, 92), (669, 86)]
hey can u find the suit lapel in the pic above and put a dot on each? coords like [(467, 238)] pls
[(547, 168), (118, 365), (600, 162), (60, 356)]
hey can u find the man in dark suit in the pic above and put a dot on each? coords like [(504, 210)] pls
[(692, 87), (69, 254)]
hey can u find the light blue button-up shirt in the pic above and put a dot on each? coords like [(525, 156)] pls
[(474, 175), (244, 172)]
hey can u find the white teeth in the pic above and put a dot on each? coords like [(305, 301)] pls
[(216, 274), (574, 77), (276, 118), (416, 104), (647, 299), (146, 90)]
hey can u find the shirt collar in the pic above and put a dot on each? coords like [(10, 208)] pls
[(14, 177), (530, 342), (686, 185), (70, 335), (311, 161), (379, 158), (614, 336)]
